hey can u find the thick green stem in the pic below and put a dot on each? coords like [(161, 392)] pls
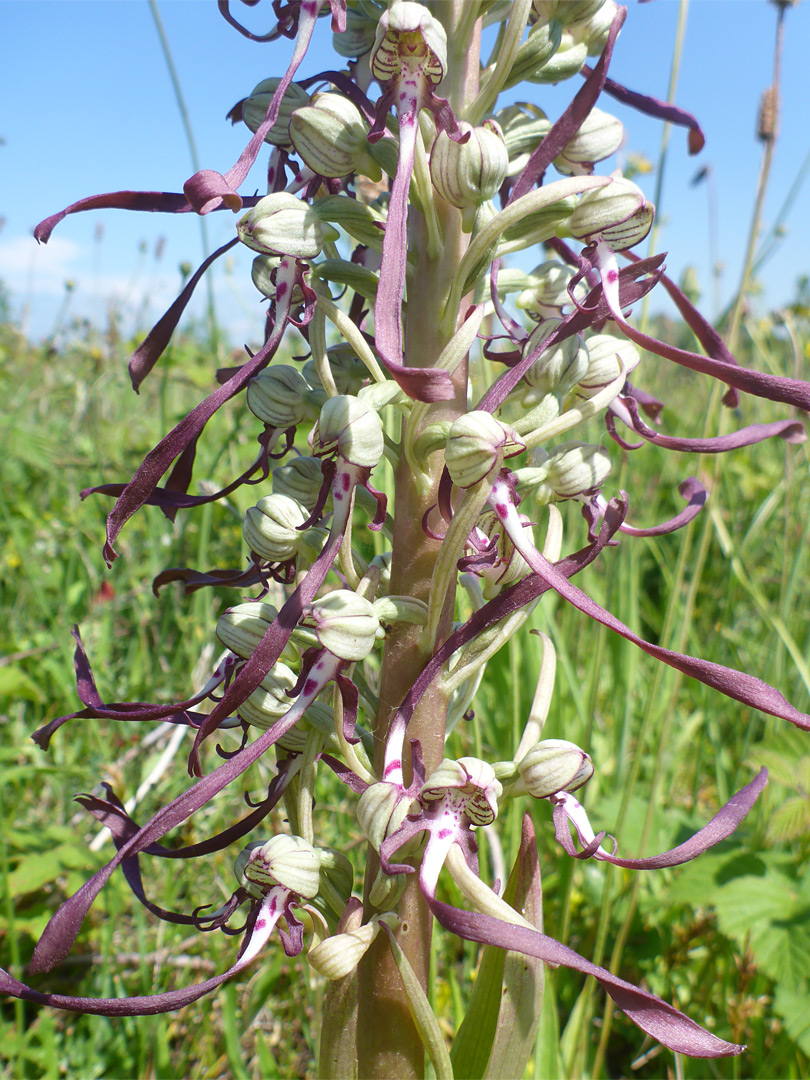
[(388, 1042)]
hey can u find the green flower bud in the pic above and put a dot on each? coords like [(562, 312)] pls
[(358, 37), (566, 61), (599, 136), (281, 397), (475, 445), (387, 889), (535, 52), (338, 955), (573, 469), (524, 127), (550, 766), (349, 426), (345, 624), (608, 357), (301, 479), (283, 860), (618, 214), (558, 369), (241, 628), (389, 609), (381, 810), (330, 135), (593, 30), (468, 174), (281, 224), (270, 700), (547, 293), (348, 370), (409, 40), (468, 783), (254, 109), (567, 11), (271, 528)]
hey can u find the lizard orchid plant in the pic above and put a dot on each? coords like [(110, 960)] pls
[(397, 187)]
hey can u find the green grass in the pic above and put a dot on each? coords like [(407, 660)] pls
[(725, 938)]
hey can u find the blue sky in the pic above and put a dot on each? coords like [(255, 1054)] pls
[(89, 108)]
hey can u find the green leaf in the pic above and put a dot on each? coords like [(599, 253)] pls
[(771, 917), (792, 1007), (15, 683), (523, 976), (506, 998), (422, 1014)]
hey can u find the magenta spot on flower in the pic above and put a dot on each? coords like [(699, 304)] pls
[(501, 509), (346, 480), (613, 275), (310, 686), (444, 833), (281, 289), (337, 496), (259, 925), (392, 766)]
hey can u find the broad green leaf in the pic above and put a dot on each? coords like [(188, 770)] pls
[(792, 1007), (771, 916)]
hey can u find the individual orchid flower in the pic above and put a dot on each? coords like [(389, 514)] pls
[(461, 795)]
